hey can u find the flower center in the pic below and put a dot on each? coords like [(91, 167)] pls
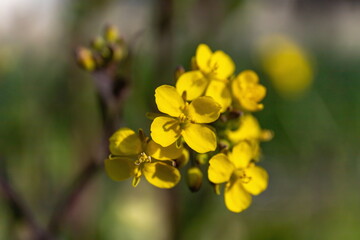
[(183, 118), (143, 158), (241, 174)]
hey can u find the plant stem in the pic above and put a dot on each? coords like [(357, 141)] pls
[(19, 208)]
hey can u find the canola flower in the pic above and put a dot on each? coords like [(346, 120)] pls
[(204, 120), (248, 92), (242, 177), (134, 155), (211, 77), (287, 64), (248, 129), (184, 119)]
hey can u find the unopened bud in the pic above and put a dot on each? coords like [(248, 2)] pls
[(106, 53), (266, 135), (98, 43), (178, 72), (183, 159), (194, 178), (118, 52), (202, 158), (85, 58), (224, 144), (111, 33), (194, 65)]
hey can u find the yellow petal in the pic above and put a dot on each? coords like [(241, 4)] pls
[(200, 138), (249, 128), (220, 168), (258, 180), (242, 154), (193, 82), (220, 92), (203, 55), (236, 197), (223, 64), (255, 95), (163, 153), (165, 130), (125, 142), (204, 110), (161, 174), (119, 169), (168, 100)]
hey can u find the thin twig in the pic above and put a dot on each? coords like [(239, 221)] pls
[(18, 206), (77, 187), (110, 107)]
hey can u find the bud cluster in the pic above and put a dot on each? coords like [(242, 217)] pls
[(102, 51)]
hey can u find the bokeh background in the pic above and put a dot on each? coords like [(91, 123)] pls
[(307, 54)]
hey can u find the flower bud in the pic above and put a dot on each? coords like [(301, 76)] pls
[(85, 58), (118, 52), (202, 158), (266, 135), (111, 33), (194, 65), (183, 159), (178, 72), (194, 178), (98, 43), (224, 144)]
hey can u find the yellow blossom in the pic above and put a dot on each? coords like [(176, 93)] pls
[(249, 129), (287, 64), (186, 120), (247, 91), (242, 177), (133, 155), (211, 77)]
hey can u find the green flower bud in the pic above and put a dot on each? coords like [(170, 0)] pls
[(183, 159), (98, 43), (202, 158), (118, 52), (194, 178)]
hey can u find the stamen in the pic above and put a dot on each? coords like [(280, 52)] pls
[(143, 158)]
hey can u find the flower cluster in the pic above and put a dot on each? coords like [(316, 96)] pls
[(204, 120)]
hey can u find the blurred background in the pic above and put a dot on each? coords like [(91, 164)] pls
[(307, 54)]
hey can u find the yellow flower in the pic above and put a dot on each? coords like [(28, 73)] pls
[(186, 120), (210, 78), (242, 177), (287, 64), (247, 91), (249, 129), (133, 155)]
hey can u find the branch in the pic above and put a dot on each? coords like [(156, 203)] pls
[(19, 208), (72, 194), (110, 97)]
